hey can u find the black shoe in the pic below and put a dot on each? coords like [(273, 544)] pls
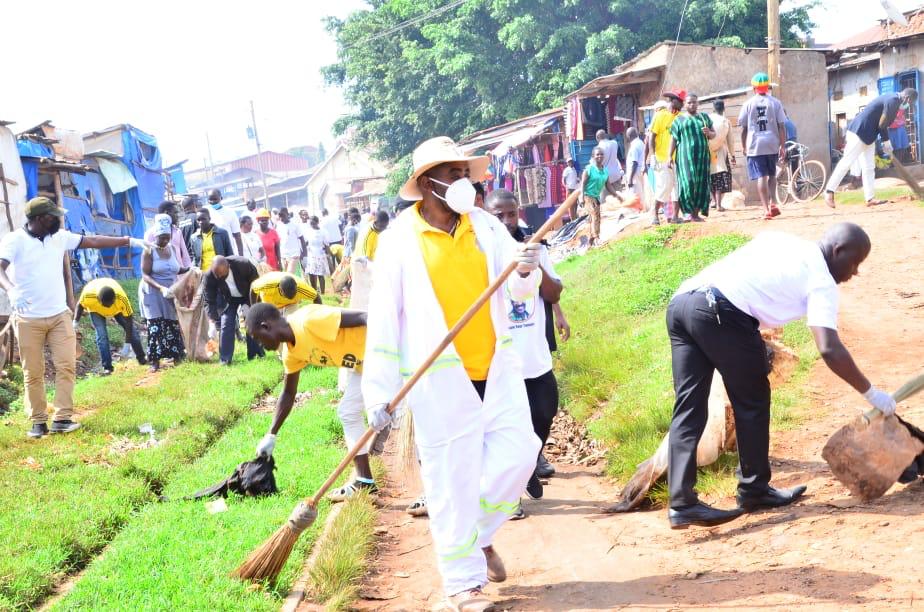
[(701, 515), (39, 430), (519, 515), (64, 426), (544, 468), (534, 487), (771, 498)]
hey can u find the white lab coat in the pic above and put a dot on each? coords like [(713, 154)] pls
[(476, 457)]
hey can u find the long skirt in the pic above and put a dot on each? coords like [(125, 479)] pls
[(165, 341)]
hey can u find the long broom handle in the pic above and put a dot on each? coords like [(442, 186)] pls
[(450, 336), (912, 387)]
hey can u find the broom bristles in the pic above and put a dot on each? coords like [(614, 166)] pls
[(267, 561)]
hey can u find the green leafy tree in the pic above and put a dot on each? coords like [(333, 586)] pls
[(410, 69)]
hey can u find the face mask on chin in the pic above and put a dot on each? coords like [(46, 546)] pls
[(460, 195)]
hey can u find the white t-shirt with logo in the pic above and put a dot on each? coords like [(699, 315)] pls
[(527, 326), (289, 234), (776, 278), (36, 269)]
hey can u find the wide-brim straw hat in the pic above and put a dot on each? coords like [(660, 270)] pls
[(437, 151)]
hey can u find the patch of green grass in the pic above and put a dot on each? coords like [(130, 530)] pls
[(855, 196), (615, 372), (340, 563), (63, 498), (176, 556)]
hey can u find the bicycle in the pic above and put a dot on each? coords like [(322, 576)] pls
[(803, 183)]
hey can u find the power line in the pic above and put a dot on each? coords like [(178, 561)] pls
[(667, 71), (410, 22)]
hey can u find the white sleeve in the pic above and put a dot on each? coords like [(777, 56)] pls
[(822, 307), (382, 364), (9, 247), (70, 240), (234, 224)]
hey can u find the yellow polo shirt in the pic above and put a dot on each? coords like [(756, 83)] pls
[(208, 250), (458, 271), (89, 298), (661, 128), (267, 289), (320, 341)]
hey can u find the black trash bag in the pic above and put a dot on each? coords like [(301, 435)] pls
[(916, 468), (251, 478)]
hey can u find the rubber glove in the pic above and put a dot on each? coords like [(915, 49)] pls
[(887, 148), (266, 445), (880, 400), (138, 243), (21, 305), (167, 292), (527, 258), (379, 417)]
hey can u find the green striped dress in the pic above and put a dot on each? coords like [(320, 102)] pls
[(692, 162)]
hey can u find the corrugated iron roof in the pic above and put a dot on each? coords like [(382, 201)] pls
[(886, 32)]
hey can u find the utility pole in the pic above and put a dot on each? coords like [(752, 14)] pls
[(773, 46), (253, 121)]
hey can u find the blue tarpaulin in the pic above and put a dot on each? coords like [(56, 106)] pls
[(178, 176), (29, 152), (80, 220)]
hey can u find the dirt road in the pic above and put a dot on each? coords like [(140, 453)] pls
[(567, 557)]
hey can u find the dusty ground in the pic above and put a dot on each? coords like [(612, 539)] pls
[(565, 556)]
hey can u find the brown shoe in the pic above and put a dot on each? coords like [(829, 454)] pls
[(472, 600), (496, 570)]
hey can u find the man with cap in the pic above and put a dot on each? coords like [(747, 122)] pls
[(659, 144), (226, 219), (269, 238), (32, 273), (714, 323), (104, 298), (872, 122), (471, 412), (763, 134)]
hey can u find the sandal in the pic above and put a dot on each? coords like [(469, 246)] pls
[(875, 202), (347, 491), (419, 507), (774, 211)]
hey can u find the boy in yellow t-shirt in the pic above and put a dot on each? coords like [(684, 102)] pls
[(322, 336), (282, 289), (104, 298)]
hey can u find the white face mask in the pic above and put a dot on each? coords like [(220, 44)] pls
[(460, 196)]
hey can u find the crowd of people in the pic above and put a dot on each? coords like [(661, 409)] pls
[(484, 409)]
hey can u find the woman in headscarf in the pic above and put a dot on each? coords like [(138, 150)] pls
[(690, 135), (318, 253), (159, 268)]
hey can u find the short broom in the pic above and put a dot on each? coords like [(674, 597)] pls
[(266, 562)]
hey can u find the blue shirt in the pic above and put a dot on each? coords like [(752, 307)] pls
[(870, 123), (791, 133)]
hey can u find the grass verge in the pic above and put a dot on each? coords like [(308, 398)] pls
[(615, 372), (176, 556), (855, 196), (63, 498)]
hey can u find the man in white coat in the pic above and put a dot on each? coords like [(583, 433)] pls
[(471, 412)]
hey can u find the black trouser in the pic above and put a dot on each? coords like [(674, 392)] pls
[(542, 392), (102, 338), (228, 326), (705, 338)]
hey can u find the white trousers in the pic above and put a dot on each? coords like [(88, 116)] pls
[(473, 485), (855, 150), (351, 408)]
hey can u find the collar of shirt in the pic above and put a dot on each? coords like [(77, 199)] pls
[(421, 225)]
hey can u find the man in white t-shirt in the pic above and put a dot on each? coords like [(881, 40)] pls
[(32, 273), (635, 164), (291, 241), (330, 225), (714, 323), (528, 326), (610, 159), (226, 219)]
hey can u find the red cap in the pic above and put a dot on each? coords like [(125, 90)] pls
[(680, 94)]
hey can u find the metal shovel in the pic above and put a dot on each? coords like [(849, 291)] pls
[(870, 453)]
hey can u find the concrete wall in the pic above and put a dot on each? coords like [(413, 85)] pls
[(341, 168), (901, 58), (848, 82)]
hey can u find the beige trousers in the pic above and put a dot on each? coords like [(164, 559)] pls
[(58, 333)]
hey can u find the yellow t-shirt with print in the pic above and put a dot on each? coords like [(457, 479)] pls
[(661, 128), (89, 298), (458, 271), (320, 341), (208, 251), (267, 289)]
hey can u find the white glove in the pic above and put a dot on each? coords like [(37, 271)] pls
[(266, 445), (138, 243), (167, 292), (527, 258), (379, 417), (76, 325), (880, 400), (887, 147), (21, 305)]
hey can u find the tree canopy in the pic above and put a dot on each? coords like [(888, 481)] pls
[(456, 67)]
